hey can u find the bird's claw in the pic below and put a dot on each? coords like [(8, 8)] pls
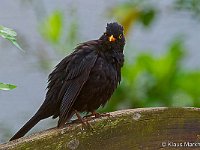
[(84, 121)]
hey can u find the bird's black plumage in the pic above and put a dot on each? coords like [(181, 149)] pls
[(84, 80)]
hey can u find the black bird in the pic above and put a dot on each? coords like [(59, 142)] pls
[(84, 80)]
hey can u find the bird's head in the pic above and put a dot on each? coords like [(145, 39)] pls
[(114, 37)]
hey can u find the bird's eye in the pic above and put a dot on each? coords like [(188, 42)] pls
[(120, 36)]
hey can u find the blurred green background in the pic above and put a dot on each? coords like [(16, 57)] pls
[(161, 54)]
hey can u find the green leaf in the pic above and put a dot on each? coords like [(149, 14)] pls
[(7, 31), (52, 26), (10, 35), (4, 86), (130, 12), (16, 44), (147, 16)]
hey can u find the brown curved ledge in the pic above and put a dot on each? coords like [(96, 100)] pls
[(145, 128)]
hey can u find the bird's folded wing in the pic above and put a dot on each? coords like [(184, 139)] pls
[(78, 71)]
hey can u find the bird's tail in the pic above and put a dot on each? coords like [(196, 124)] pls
[(30, 124)]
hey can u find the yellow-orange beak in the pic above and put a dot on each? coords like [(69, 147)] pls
[(111, 38)]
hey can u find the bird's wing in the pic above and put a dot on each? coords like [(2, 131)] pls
[(78, 71)]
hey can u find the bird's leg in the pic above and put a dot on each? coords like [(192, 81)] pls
[(79, 117), (84, 121)]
